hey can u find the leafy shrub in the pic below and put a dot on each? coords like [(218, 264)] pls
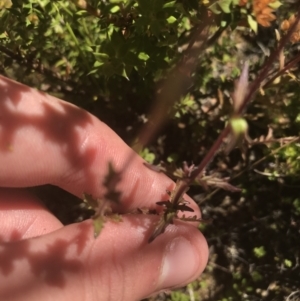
[(114, 58)]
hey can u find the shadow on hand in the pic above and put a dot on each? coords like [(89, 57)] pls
[(50, 264)]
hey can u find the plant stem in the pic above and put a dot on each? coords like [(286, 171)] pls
[(252, 90)]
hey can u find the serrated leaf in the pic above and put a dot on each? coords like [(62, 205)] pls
[(252, 23), (92, 202)]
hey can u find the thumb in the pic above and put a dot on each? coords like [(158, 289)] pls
[(69, 264)]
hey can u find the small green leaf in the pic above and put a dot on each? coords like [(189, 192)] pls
[(115, 9), (288, 263), (223, 23), (171, 20), (98, 64), (259, 252), (103, 57), (275, 4), (143, 56), (98, 224), (252, 23), (169, 4)]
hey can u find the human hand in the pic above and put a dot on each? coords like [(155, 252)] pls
[(44, 140)]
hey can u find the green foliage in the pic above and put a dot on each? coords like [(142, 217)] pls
[(178, 296), (147, 155), (259, 252), (112, 57)]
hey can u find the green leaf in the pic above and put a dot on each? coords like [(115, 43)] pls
[(275, 4), (115, 9), (101, 57), (171, 20), (98, 64), (225, 5), (252, 23), (143, 56), (223, 23), (98, 224), (169, 4), (259, 252), (288, 263)]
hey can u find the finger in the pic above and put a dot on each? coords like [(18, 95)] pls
[(46, 140), (69, 264), (23, 216)]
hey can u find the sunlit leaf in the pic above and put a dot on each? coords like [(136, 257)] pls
[(252, 23)]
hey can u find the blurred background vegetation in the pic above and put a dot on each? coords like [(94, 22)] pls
[(113, 57)]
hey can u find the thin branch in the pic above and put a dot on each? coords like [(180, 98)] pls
[(275, 151), (252, 90)]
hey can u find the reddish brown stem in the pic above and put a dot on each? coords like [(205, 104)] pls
[(252, 90)]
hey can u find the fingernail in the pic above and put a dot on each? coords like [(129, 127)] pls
[(180, 263)]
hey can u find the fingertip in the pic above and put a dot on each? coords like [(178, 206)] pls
[(185, 256)]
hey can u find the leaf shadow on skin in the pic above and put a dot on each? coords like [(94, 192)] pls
[(54, 263), (60, 123), (51, 265)]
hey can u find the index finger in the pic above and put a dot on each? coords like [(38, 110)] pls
[(46, 140)]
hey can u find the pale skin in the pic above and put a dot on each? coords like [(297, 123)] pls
[(44, 140)]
